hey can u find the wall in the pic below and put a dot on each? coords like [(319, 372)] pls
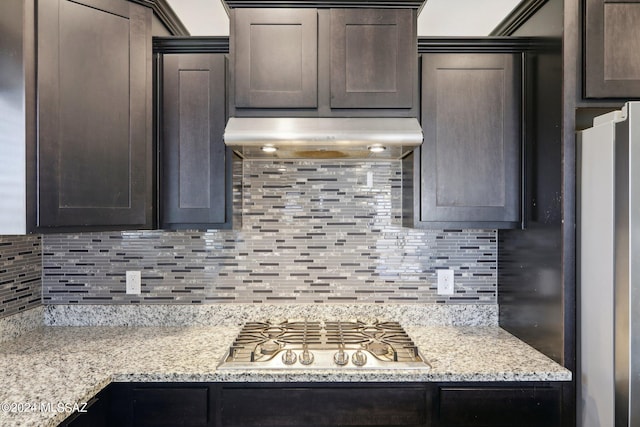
[(311, 232), (17, 114), (20, 274), (437, 17), (465, 18)]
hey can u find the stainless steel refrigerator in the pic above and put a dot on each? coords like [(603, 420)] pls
[(609, 270)]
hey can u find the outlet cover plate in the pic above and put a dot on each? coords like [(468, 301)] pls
[(134, 282), (445, 282)]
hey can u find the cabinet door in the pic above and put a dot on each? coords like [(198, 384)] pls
[(94, 114), (612, 43), (373, 58), (171, 406), (194, 183), (95, 413), (499, 407), (324, 406), (276, 58), (470, 158)]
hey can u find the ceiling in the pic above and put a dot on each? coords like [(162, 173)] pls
[(438, 17)]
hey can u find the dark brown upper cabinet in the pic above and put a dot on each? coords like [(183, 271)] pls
[(467, 172), (326, 62), (612, 43), (94, 115), (196, 182), (276, 58), (373, 55)]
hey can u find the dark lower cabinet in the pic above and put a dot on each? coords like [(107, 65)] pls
[(512, 406), (162, 404), (171, 407), (95, 413), (325, 405), (94, 115)]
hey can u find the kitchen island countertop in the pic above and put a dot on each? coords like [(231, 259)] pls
[(72, 364)]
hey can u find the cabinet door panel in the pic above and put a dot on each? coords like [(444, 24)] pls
[(94, 122), (276, 58), (499, 407), (171, 407), (471, 150), (194, 158), (612, 63), (324, 407), (373, 58), (96, 415)]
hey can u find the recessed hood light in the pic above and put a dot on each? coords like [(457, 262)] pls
[(377, 148), (269, 148)]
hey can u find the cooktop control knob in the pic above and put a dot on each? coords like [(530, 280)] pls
[(359, 358), (306, 357), (341, 358), (289, 357)]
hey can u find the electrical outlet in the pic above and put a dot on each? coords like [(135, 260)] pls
[(134, 282), (445, 282)]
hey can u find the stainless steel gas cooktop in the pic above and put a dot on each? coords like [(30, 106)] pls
[(302, 344)]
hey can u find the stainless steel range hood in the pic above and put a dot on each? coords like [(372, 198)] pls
[(322, 138)]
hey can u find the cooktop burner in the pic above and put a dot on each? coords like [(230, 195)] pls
[(323, 345)]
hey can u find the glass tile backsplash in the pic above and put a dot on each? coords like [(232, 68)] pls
[(311, 232), (20, 274)]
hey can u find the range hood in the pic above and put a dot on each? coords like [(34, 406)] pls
[(322, 138)]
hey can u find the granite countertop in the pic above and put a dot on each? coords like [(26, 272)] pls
[(72, 364)]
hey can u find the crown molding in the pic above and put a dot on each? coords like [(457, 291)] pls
[(518, 16), (168, 17), (486, 44), (384, 4), (191, 44)]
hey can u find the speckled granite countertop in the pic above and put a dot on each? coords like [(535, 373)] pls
[(71, 364)]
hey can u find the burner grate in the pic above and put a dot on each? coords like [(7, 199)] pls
[(261, 344)]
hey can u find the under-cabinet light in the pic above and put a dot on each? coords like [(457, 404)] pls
[(377, 148)]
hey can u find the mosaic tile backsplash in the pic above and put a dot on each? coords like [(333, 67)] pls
[(311, 232), (20, 274)]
